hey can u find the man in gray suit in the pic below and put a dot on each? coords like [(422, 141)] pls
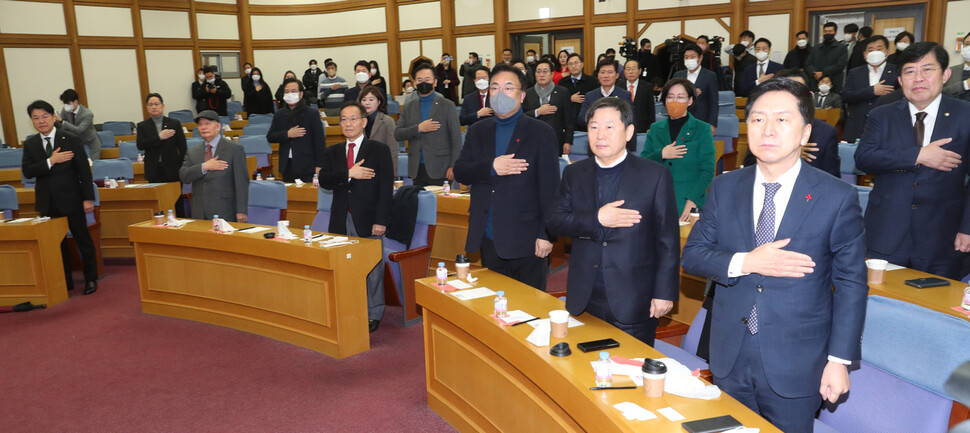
[(217, 172), (430, 124), (78, 120)]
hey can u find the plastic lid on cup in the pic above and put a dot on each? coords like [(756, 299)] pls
[(215, 216), (159, 213), (652, 366), (462, 259), (604, 355)]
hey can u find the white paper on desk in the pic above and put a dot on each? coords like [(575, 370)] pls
[(680, 381), (283, 231), (633, 411), (469, 294), (540, 335), (516, 316), (20, 220), (298, 182), (459, 284), (670, 413), (172, 222), (133, 185), (892, 267), (253, 230), (224, 226), (572, 322)]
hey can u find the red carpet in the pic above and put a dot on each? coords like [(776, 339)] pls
[(97, 364)]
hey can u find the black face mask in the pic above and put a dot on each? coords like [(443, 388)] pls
[(828, 37), (425, 88)]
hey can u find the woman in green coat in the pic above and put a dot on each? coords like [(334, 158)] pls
[(685, 145)]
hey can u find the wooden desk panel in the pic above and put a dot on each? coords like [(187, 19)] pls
[(452, 230), (30, 263), (301, 204), (310, 296), (121, 207), (11, 176), (482, 376)]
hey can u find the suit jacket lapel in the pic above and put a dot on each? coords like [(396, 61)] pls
[(515, 142), (743, 206), (800, 203), (942, 115), (586, 188)]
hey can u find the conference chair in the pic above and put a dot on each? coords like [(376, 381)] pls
[(107, 138), (404, 264), (393, 107), (183, 116), (256, 129), (321, 222), (562, 166), (641, 142), (267, 203), (260, 118), (848, 169), (863, 196), (256, 145), (117, 128), (686, 353), (233, 108), (402, 167), (725, 103), (660, 111), (94, 228), (193, 141), (9, 207), (11, 158), (908, 353), (27, 182), (580, 147), (119, 168), (224, 120), (128, 149)]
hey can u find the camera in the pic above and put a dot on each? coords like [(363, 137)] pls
[(715, 43), (628, 48)]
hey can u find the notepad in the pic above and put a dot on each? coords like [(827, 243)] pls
[(481, 292), (459, 284), (572, 322), (253, 230)]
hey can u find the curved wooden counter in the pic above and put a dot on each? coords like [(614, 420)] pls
[(310, 296), (31, 269), (482, 376)]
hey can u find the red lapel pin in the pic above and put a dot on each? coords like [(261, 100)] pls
[(808, 197)]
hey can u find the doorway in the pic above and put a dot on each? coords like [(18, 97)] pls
[(547, 43)]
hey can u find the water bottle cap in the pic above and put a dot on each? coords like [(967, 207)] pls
[(604, 355), (169, 210), (501, 292), (215, 216), (441, 264), (306, 227)]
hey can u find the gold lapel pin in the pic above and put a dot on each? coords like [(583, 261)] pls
[(946, 114)]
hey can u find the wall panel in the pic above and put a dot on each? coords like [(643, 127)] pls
[(231, 2), (289, 2), (217, 26), (609, 6), (775, 29), (658, 32), (103, 21), (432, 49), (319, 25), (483, 45), (469, 12), (608, 37), (165, 24), (955, 27), (29, 84), (661, 4), (409, 51), (170, 74), (22, 17), (419, 16), (520, 10), (711, 28), (111, 80)]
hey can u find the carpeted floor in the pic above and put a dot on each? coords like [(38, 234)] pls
[(97, 364)]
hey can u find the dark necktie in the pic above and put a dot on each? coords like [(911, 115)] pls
[(208, 152), (50, 147), (820, 99), (761, 70), (764, 233), (919, 127), (482, 100)]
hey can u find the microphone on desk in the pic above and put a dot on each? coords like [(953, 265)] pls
[(25, 306)]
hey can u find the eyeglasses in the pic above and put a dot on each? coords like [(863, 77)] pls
[(910, 73), (349, 119), (508, 88)]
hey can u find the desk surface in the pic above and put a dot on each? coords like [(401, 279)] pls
[(484, 376), (30, 262)]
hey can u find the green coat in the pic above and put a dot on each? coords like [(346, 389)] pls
[(692, 173)]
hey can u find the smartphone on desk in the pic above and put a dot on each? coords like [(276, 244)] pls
[(590, 346), (924, 283)]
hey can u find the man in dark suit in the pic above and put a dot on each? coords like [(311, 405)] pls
[(705, 106), (474, 106), (918, 148), (865, 84), (642, 92), (578, 85), (621, 213), (430, 124), (78, 121), (360, 174), (510, 163), (64, 187), (297, 128), (218, 173), (551, 106), (828, 58), (606, 75), (763, 69), (776, 237), (163, 142), (858, 55)]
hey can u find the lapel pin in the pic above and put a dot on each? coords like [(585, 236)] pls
[(517, 140), (808, 197), (946, 114)]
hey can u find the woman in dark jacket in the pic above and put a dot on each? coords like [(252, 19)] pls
[(375, 76), (258, 94), (298, 130), (447, 78), (279, 90)]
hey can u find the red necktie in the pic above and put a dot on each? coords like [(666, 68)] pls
[(483, 100), (350, 155), (208, 152), (631, 92)]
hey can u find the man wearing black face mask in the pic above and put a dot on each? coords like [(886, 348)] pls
[(828, 58), (510, 162), (430, 124)]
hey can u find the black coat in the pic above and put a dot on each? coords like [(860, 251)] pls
[(643, 104), (62, 188), (307, 150), (258, 102), (214, 101), (584, 85), (163, 158), (470, 105), (560, 121), (369, 199)]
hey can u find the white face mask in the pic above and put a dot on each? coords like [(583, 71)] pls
[(201, 77), (291, 98), (745, 43), (409, 89), (361, 77), (211, 81), (313, 67), (68, 107), (249, 70), (824, 88), (373, 71), (481, 84), (257, 77), (530, 59), (965, 52), (902, 46), (875, 58), (761, 55), (802, 43), (847, 37), (691, 64)]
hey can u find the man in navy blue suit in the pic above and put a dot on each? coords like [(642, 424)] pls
[(621, 213), (865, 84), (607, 71), (777, 237), (705, 85), (762, 70), (475, 106), (510, 161), (919, 212)]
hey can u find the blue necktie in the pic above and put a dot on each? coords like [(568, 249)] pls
[(764, 233)]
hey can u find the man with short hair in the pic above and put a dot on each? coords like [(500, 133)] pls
[(784, 243), (577, 84), (79, 120), (858, 56), (246, 81), (218, 173), (360, 175), (430, 124), (506, 56), (467, 71), (474, 106), (163, 142), (849, 32), (311, 81), (762, 70), (296, 127), (743, 58), (650, 63), (865, 84), (958, 85), (642, 95), (917, 148), (746, 41), (606, 74), (797, 58), (330, 84), (64, 187), (705, 106), (550, 103), (510, 162), (214, 93), (362, 77), (828, 58), (620, 211)]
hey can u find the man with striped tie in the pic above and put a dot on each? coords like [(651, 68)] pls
[(777, 237)]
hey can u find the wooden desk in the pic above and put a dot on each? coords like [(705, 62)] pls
[(30, 263), (309, 296), (301, 204), (482, 376), (941, 299), (11, 176), (452, 230), (691, 289)]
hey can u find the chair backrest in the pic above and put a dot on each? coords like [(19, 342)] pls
[(8, 201), (863, 196), (725, 103), (321, 222), (256, 129), (266, 199), (107, 138), (112, 168), (128, 149), (11, 157), (580, 144), (728, 125), (233, 107), (182, 116), (224, 120), (193, 141), (260, 118), (693, 336), (847, 154), (402, 165), (641, 142), (118, 128), (27, 182), (562, 166), (255, 145), (393, 107)]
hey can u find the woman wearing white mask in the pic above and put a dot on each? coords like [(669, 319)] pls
[(258, 96), (902, 41), (198, 83), (958, 85), (298, 130), (279, 90), (375, 76), (447, 78)]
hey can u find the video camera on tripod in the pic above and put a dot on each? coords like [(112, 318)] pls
[(628, 48)]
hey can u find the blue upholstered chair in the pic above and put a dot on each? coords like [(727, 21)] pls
[(107, 138), (11, 158), (863, 196), (128, 149), (27, 182), (256, 129), (321, 222), (848, 169), (193, 141), (726, 104), (407, 264), (580, 146), (255, 119), (9, 206), (184, 116), (402, 165), (686, 353), (908, 352), (641, 142), (256, 145), (393, 107), (112, 168), (233, 107), (118, 128), (562, 166), (267, 202)]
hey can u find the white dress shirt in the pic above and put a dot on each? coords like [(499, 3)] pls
[(605, 93), (43, 143), (692, 76), (966, 87), (760, 66), (930, 121), (356, 149), (875, 74)]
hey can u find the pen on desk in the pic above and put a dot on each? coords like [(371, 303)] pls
[(601, 388), (247, 228), (317, 237), (525, 321)]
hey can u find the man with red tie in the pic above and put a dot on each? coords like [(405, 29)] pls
[(218, 173), (642, 91), (476, 106)]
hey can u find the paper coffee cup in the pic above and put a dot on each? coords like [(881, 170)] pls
[(559, 322), (877, 270), (462, 269), (654, 375), (159, 218)]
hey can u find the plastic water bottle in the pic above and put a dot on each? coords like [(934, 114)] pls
[(259, 175), (501, 305), (604, 370), (141, 157), (441, 274), (215, 223), (170, 216), (316, 180), (307, 234), (107, 182), (446, 188)]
